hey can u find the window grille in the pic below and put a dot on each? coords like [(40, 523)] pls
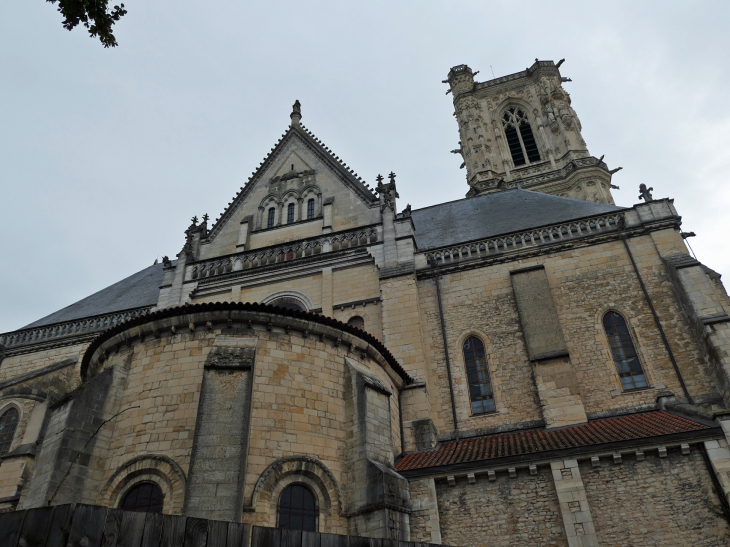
[(623, 352), (272, 217), (290, 213), (297, 509), (144, 497), (8, 425), (310, 208), (480, 386), (520, 140)]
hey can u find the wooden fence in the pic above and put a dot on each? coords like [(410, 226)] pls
[(78, 525)]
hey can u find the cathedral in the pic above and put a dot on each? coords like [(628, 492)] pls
[(531, 364)]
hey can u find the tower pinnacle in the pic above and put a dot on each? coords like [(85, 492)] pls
[(296, 113)]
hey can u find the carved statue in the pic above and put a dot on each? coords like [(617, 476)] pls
[(407, 211), (297, 107), (166, 262), (460, 150), (645, 193)]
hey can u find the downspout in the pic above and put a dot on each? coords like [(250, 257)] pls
[(446, 352), (656, 320)]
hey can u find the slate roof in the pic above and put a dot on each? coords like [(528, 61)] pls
[(530, 441), (494, 214), (136, 291)]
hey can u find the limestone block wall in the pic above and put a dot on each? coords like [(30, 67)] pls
[(22, 363), (507, 511), (660, 501), (585, 282), (136, 418)]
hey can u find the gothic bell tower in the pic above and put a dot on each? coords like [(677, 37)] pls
[(522, 129)]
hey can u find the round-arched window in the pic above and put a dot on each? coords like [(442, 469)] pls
[(357, 321), (297, 508), (144, 497), (8, 425), (288, 303)]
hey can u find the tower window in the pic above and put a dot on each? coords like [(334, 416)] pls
[(310, 209), (297, 509), (623, 352), (8, 425), (272, 217), (520, 140), (290, 213), (357, 321), (480, 386), (145, 497)]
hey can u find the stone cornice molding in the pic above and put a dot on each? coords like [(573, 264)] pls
[(205, 317), (524, 244)]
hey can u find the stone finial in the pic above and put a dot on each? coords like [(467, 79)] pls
[(296, 113), (645, 193)]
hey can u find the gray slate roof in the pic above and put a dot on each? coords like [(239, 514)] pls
[(494, 214), (136, 291)]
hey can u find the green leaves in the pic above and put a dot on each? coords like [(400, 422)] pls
[(95, 16)]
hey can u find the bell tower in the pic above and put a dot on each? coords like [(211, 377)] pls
[(522, 129)]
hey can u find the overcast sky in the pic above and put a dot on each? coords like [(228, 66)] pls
[(106, 154)]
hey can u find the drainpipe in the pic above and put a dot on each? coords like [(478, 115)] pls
[(446, 352), (658, 324)]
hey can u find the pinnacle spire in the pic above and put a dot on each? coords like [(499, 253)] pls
[(296, 113)]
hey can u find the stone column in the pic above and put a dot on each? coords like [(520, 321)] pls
[(574, 509), (300, 214), (279, 213)]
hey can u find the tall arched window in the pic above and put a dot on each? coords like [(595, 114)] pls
[(480, 387), (519, 135), (272, 217), (8, 425), (623, 352), (297, 508), (290, 213), (144, 497), (310, 208)]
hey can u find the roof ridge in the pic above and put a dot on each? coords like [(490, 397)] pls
[(301, 131)]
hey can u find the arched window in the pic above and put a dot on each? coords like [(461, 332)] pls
[(519, 135), (8, 425), (480, 387), (288, 303), (357, 321), (272, 217), (310, 208), (143, 497), (298, 509), (623, 352), (290, 213)]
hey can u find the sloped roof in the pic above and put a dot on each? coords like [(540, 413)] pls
[(530, 441), (348, 177), (136, 291), (494, 214)]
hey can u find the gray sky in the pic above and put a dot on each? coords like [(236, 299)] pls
[(105, 155)]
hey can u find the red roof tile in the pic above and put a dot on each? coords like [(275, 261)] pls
[(517, 443)]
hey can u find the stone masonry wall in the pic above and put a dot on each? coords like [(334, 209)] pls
[(27, 362), (660, 501), (503, 513), (585, 283)]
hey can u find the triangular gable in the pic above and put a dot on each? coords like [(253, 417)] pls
[(346, 175)]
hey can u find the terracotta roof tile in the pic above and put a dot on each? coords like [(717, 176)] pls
[(529, 441)]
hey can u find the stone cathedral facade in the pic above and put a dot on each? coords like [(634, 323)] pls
[(531, 364)]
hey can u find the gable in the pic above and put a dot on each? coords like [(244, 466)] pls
[(298, 169)]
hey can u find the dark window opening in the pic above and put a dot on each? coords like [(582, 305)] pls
[(297, 509), (310, 209), (357, 321), (623, 352), (272, 217), (8, 425), (290, 213), (480, 386), (522, 144), (145, 497)]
